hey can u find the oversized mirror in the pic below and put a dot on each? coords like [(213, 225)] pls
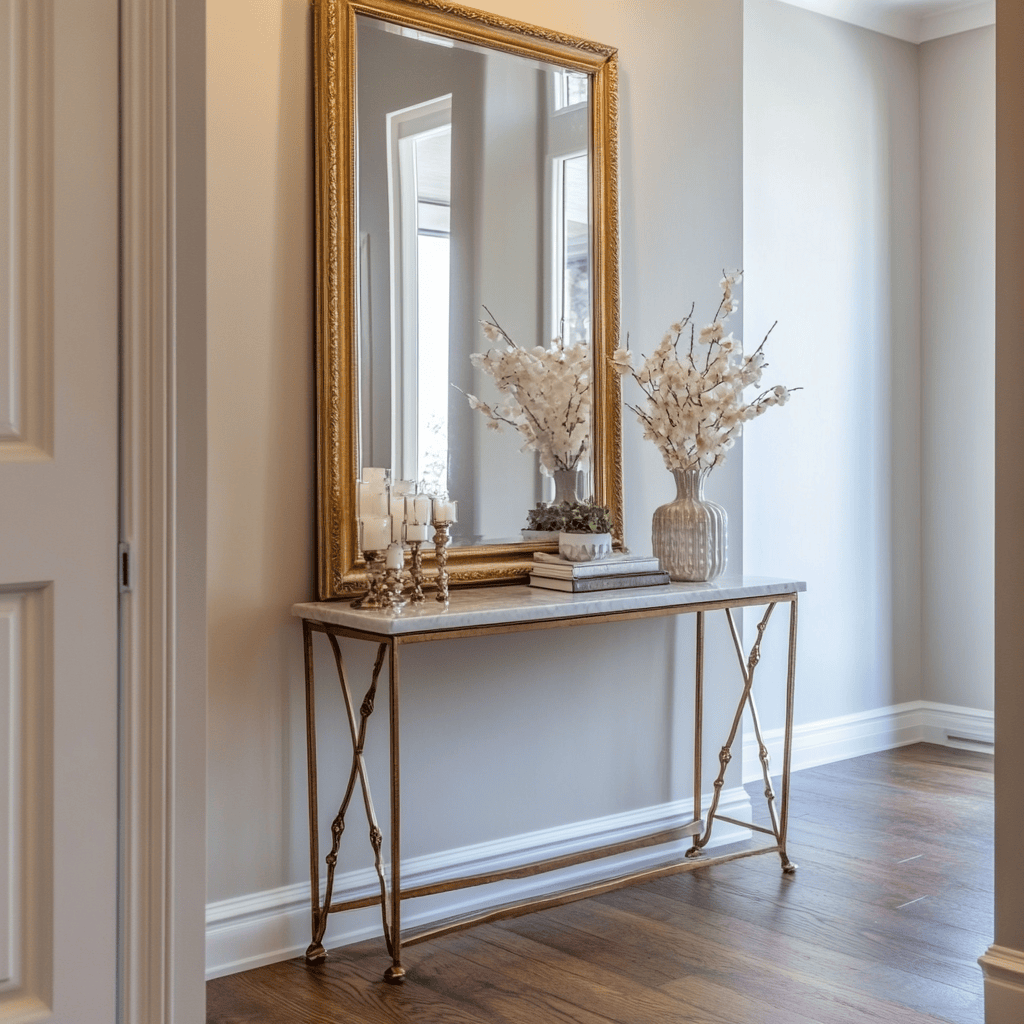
[(466, 233)]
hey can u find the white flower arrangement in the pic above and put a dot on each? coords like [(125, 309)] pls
[(546, 395), (694, 411)]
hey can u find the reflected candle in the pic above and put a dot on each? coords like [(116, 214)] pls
[(372, 498), (416, 531), (445, 511), (375, 533), (397, 517), (417, 509), (394, 558)]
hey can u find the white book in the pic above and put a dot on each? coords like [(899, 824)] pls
[(556, 567)]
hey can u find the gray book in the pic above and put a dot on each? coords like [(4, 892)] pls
[(617, 564), (588, 584)]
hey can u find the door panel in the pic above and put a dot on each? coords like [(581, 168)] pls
[(58, 511)]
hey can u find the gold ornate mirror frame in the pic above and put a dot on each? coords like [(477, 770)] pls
[(340, 567)]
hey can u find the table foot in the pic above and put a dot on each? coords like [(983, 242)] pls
[(395, 974), (788, 866), (316, 954), (693, 852)]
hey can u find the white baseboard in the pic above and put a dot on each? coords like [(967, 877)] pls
[(836, 739), (265, 927), (1004, 985)]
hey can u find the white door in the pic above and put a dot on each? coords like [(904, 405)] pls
[(58, 510)]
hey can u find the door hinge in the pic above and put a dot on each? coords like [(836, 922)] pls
[(125, 574)]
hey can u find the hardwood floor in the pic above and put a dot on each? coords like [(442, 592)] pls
[(883, 922)]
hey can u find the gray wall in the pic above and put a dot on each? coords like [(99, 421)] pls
[(958, 222), (832, 482)]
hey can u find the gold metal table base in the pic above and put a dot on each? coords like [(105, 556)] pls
[(391, 893)]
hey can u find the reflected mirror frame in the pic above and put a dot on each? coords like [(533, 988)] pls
[(340, 566)]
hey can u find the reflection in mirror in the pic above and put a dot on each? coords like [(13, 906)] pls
[(474, 171)]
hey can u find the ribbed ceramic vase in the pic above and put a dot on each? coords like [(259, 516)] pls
[(689, 534)]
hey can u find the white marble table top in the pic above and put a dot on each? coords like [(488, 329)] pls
[(490, 606)]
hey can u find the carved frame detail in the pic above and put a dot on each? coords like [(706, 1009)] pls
[(340, 567)]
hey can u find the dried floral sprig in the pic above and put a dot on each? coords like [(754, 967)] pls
[(694, 410), (546, 395)]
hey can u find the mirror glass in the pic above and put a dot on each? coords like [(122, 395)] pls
[(473, 202)]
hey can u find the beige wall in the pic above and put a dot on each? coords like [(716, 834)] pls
[(500, 737)]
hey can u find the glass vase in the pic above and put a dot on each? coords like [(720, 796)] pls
[(566, 485), (689, 534)]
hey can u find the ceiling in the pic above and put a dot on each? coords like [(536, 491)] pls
[(917, 21)]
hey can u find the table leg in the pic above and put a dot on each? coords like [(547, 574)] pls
[(396, 972), (698, 716), (316, 952), (787, 754)]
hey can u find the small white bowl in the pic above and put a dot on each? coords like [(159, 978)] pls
[(584, 547)]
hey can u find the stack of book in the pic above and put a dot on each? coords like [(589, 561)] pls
[(614, 573)]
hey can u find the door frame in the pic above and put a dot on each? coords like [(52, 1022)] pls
[(162, 871)]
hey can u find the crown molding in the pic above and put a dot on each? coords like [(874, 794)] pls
[(899, 20)]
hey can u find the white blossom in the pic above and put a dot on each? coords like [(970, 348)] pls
[(622, 361), (694, 409), (546, 396)]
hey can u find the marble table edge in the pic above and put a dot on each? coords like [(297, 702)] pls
[(481, 606)]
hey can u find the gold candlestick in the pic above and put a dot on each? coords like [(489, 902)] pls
[(374, 596), (393, 600), (416, 571), (441, 538)]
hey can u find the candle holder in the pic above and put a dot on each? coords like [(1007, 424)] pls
[(416, 571), (374, 596), (393, 599), (441, 538)]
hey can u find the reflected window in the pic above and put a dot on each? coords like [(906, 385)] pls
[(572, 247), (420, 202), (571, 89)]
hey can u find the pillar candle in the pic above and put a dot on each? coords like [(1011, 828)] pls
[(397, 517), (416, 531), (445, 511), (372, 497), (394, 557), (375, 533), (417, 509)]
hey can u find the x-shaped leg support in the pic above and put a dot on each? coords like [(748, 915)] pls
[(747, 666), (357, 770)]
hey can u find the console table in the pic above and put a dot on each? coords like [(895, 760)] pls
[(511, 609)]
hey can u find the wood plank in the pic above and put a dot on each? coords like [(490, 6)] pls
[(847, 940)]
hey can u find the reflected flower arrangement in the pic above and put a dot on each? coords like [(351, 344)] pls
[(694, 409), (545, 395)]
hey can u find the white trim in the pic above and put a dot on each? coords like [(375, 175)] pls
[(836, 739), (265, 927), (962, 19), (1003, 969), (901, 23), (26, 229), (163, 498)]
